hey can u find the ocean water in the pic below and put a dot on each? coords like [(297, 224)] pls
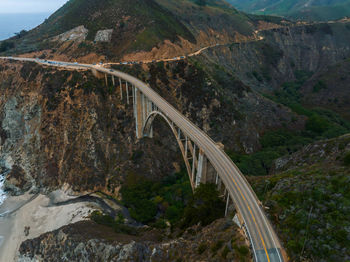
[(14, 23)]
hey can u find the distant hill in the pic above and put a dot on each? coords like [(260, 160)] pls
[(114, 28), (298, 9)]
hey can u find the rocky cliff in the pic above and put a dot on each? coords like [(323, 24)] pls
[(308, 200), (60, 127), (266, 64), (84, 241)]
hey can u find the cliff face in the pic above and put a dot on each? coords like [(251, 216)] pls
[(266, 64), (308, 200), (84, 242), (137, 29), (62, 127)]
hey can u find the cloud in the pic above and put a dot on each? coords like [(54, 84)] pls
[(30, 6)]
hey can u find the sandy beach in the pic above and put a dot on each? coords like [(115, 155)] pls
[(33, 216)]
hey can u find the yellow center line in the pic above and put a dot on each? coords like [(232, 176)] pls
[(262, 240)]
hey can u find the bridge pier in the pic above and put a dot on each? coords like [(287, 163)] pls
[(201, 169), (121, 89), (138, 113), (106, 79)]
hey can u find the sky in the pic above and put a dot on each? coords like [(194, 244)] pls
[(29, 6), (16, 15)]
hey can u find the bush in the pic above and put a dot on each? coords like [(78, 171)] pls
[(319, 85), (6, 45), (215, 247), (225, 252), (347, 159), (202, 247), (145, 198), (116, 224), (205, 206), (317, 124)]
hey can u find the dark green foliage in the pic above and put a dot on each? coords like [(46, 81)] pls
[(317, 124), (225, 252), (21, 34), (321, 123), (216, 246), (205, 206), (347, 159), (318, 86), (242, 250), (274, 144), (310, 205), (6, 45), (117, 224), (272, 54), (136, 155), (145, 198), (202, 248), (257, 76), (201, 2)]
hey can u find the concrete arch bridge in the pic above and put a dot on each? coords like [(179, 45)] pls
[(205, 160)]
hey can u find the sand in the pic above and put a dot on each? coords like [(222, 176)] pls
[(37, 214)]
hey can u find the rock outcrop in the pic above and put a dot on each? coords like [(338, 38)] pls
[(86, 241), (77, 34), (104, 35)]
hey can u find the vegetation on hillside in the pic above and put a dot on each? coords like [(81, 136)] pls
[(321, 124), (310, 204), (171, 200), (301, 9)]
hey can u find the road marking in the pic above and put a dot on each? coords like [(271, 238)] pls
[(202, 139)]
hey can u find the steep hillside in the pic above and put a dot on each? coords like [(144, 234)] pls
[(83, 134), (85, 242), (301, 9), (330, 89), (308, 199), (111, 29)]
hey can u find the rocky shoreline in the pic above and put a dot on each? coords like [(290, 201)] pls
[(29, 216)]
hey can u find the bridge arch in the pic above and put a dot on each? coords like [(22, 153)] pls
[(147, 131)]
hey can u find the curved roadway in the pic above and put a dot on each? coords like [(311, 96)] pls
[(264, 241)]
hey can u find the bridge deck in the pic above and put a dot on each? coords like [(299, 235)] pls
[(265, 244)]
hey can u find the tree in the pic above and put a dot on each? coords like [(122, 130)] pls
[(6, 45), (205, 206), (201, 2)]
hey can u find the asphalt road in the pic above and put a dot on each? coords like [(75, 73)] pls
[(264, 241)]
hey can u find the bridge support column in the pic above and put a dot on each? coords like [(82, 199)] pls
[(201, 169), (106, 78), (121, 89), (227, 203), (113, 81), (193, 163), (139, 115), (127, 92)]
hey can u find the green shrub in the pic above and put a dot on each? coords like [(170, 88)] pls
[(6, 45), (145, 198), (225, 252), (215, 247), (318, 86), (205, 206), (202, 247), (242, 250), (317, 124), (347, 159)]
